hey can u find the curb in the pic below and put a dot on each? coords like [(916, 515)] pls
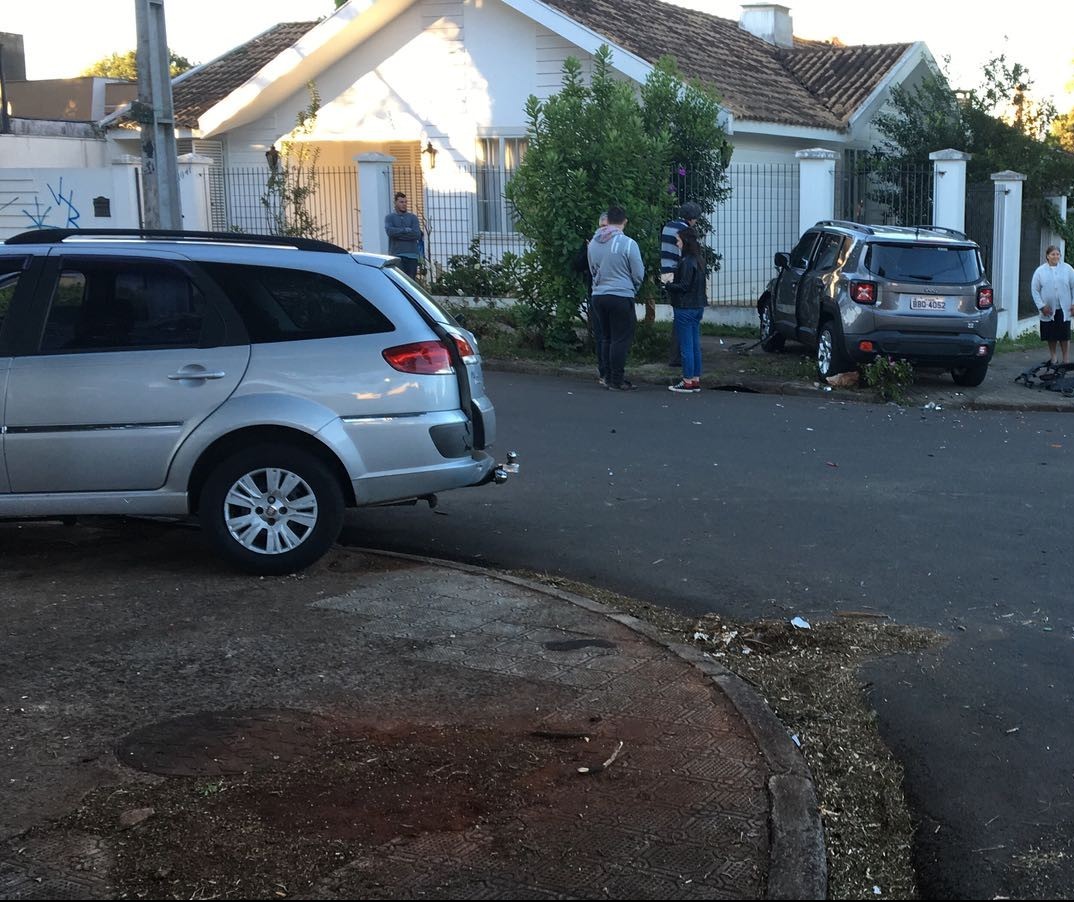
[(769, 386), (797, 856)]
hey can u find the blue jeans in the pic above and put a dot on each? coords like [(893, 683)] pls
[(688, 329)]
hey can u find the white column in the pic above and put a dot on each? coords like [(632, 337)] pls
[(816, 186), (126, 201), (949, 189), (374, 199), (194, 198), (1006, 242)]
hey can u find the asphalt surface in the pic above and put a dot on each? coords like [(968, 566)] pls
[(761, 504)]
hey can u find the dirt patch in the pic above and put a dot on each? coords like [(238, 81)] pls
[(275, 834)]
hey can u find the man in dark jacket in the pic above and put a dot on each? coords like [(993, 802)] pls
[(689, 214), (404, 233)]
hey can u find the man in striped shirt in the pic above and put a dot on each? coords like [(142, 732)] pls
[(689, 214)]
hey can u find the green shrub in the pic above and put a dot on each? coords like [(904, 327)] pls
[(889, 377), (477, 275)]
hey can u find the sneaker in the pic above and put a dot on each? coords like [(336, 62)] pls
[(622, 386), (602, 382), (684, 387)]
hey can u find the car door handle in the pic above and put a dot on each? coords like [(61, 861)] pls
[(196, 374)]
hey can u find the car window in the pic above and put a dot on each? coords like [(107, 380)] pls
[(800, 255), (279, 304), (923, 263), (10, 270), (118, 305), (828, 251)]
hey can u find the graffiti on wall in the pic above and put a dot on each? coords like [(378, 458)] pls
[(67, 210)]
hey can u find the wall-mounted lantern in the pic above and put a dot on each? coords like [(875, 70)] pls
[(431, 152), (272, 157)]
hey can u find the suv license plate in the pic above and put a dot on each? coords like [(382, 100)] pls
[(920, 303)]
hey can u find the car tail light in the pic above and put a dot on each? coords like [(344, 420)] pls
[(428, 358), (984, 298), (866, 346), (863, 292), (466, 350)]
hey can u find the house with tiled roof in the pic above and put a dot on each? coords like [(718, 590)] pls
[(440, 87)]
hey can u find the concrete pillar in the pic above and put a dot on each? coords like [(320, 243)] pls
[(949, 188), (1050, 236), (374, 200), (816, 186), (126, 201), (194, 198), (1006, 244)]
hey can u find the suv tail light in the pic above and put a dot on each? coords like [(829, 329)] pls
[(863, 292), (425, 358), (984, 298)]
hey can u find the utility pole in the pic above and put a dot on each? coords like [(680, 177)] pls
[(154, 111)]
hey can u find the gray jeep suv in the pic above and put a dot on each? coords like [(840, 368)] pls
[(263, 384), (855, 292)]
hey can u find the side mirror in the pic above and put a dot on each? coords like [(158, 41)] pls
[(782, 260)]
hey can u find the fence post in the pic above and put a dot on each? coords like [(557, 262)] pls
[(1050, 236), (374, 199), (816, 186), (126, 206), (949, 188), (194, 201), (1006, 247)]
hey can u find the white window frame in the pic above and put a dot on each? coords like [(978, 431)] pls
[(494, 214)]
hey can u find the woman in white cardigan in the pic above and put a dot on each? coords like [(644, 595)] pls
[(1053, 293)]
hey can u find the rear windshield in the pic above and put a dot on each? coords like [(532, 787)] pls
[(923, 263), (416, 291)]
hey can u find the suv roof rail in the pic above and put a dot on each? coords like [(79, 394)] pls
[(56, 236), (954, 233), (847, 224)]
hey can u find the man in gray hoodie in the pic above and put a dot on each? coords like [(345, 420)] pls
[(615, 261)]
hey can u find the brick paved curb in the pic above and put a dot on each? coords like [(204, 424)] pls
[(797, 866)]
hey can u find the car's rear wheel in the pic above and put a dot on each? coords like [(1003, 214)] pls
[(831, 359), (970, 376), (272, 509), (771, 340)]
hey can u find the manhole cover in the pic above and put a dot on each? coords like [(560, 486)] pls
[(210, 743)]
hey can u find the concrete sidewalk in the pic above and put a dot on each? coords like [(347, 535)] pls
[(695, 790)]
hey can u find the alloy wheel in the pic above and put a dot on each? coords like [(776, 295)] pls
[(270, 510)]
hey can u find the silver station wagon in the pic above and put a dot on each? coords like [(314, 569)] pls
[(262, 384)]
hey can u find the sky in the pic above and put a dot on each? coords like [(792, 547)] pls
[(62, 37)]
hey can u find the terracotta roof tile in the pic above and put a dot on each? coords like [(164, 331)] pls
[(756, 79), (206, 86)]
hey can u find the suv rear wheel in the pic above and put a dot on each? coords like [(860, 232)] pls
[(831, 358), (272, 509), (771, 340), (970, 376)]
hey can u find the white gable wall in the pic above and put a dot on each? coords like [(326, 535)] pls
[(445, 70)]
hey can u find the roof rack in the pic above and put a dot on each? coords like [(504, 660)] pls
[(56, 236), (954, 233), (847, 224)]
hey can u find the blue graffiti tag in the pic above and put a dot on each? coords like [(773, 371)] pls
[(72, 213), (38, 218)]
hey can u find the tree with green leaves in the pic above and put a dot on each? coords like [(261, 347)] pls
[(999, 123), (292, 182), (593, 145), (125, 65)]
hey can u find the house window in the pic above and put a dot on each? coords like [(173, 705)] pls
[(497, 160)]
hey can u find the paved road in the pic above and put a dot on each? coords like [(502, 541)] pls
[(758, 505)]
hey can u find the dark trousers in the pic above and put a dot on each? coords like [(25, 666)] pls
[(616, 320), (409, 265)]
